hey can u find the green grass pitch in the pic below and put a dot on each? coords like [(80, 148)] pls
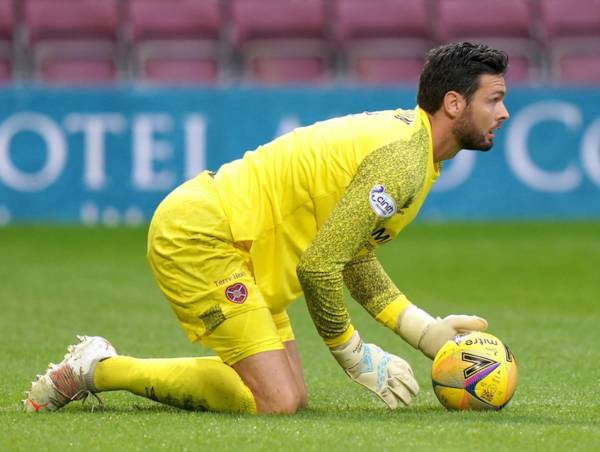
[(537, 284)]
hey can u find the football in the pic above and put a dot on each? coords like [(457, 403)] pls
[(474, 371)]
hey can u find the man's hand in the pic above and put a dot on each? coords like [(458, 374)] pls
[(428, 334), (388, 376), (441, 330)]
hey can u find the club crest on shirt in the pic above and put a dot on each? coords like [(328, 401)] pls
[(236, 293), (382, 204)]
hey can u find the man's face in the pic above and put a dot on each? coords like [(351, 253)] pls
[(474, 129)]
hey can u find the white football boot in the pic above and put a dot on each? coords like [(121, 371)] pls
[(72, 379)]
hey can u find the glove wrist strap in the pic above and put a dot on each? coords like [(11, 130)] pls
[(350, 353), (341, 340), (412, 323)]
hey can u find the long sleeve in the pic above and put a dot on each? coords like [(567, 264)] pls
[(369, 284), (393, 174)]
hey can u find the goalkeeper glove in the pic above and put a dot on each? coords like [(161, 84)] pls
[(427, 334), (388, 376)]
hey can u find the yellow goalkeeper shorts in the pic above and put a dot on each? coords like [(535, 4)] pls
[(207, 278)]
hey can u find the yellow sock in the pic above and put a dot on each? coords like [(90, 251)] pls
[(190, 383)]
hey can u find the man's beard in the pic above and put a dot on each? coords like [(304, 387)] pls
[(468, 136)]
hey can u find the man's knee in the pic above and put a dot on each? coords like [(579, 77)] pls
[(272, 381), (288, 402)]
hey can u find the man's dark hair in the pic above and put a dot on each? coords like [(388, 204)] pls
[(456, 67)]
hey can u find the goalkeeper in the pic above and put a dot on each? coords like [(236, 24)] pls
[(301, 215)]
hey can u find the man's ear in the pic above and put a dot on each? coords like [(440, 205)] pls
[(454, 104)]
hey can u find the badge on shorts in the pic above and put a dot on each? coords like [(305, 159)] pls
[(382, 204), (236, 293)]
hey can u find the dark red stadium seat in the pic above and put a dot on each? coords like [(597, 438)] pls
[(579, 69), (5, 71), (483, 18), (6, 39), (356, 19), (563, 19), (505, 25), (382, 71), (571, 35), (6, 20), (382, 41), (295, 70), (520, 69), (176, 41), (69, 39), (80, 72), (281, 41), (184, 71)]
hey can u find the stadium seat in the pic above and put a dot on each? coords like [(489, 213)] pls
[(77, 71), (505, 25), (382, 41), (281, 41), (571, 36), (5, 72), (175, 42), (72, 41), (6, 39), (578, 68)]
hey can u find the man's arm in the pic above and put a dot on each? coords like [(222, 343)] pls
[(393, 176), (370, 285), (347, 230)]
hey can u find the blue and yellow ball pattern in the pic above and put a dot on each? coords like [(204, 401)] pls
[(474, 371)]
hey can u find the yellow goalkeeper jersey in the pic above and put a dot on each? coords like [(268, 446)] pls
[(311, 206)]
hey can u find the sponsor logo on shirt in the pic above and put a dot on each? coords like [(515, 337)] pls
[(407, 117), (230, 278), (380, 236), (382, 204)]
